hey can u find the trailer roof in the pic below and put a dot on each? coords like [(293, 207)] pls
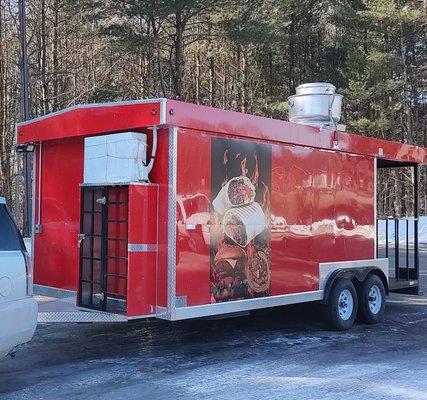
[(95, 119)]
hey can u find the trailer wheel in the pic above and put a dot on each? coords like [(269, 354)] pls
[(371, 300), (341, 308)]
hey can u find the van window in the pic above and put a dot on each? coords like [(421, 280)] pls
[(10, 239)]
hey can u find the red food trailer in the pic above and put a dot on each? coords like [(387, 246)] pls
[(239, 212)]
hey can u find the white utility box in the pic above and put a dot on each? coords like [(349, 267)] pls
[(115, 158)]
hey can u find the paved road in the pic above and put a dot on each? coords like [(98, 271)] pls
[(283, 353)]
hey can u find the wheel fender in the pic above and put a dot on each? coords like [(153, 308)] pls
[(354, 274)]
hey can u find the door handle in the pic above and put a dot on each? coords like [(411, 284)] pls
[(102, 200), (99, 296), (82, 236)]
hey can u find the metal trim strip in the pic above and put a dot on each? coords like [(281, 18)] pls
[(375, 207), (246, 305), (160, 100), (163, 107), (326, 269), (37, 226), (156, 303), (142, 247), (172, 171), (103, 184), (33, 206), (51, 291)]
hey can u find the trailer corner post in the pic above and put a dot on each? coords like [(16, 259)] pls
[(375, 207), (172, 171), (416, 216), (163, 107)]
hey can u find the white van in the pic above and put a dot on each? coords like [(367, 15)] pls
[(18, 309)]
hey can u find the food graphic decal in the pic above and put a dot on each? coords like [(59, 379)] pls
[(240, 215)]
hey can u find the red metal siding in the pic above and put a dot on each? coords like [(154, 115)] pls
[(324, 197), (193, 184), (96, 119), (215, 120), (159, 175), (322, 206), (323, 203), (56, 251), (293, 267), (90, 120), (142, 266)]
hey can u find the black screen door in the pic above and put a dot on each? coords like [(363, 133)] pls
[(103, 248), (92, 242)]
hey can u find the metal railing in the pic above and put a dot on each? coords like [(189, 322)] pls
[(396, 243)]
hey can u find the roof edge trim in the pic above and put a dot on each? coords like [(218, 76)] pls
[(163, 107), (160, 100)]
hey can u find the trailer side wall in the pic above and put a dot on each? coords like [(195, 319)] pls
[(56, 247), (56, 251), (319, 207)]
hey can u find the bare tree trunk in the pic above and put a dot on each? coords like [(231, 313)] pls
[(43, 58), (225, 84), (197, 77), (241, 58), (3, 172), (406, 91), (270, 73), (158, 55), (55, 61), (396, 197), (212, 81), (291, 78), (179, 54)]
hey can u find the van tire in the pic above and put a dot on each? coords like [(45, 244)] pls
[(340, 310), (371, 296)]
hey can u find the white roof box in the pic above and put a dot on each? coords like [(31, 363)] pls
[(115, 158)]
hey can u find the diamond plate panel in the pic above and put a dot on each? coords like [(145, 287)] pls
[(78, 316), (142, 247), (172, 221)]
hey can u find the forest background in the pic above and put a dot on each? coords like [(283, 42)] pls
[(240, 55)]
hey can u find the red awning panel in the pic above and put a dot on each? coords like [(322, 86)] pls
[(98, 119)]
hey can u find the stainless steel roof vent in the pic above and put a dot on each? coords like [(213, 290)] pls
[(316, 104)]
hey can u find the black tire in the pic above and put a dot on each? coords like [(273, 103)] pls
[(336, 314), (370, 311)]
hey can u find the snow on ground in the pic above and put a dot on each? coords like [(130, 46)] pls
[(422, 231), (279, 354)]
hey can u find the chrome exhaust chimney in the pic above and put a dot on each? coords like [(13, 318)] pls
[(316, 104)]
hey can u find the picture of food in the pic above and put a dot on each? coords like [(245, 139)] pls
[(242, 224), (240, 220), (233, 227), (238, 191), (229, 273), (258, 272)]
